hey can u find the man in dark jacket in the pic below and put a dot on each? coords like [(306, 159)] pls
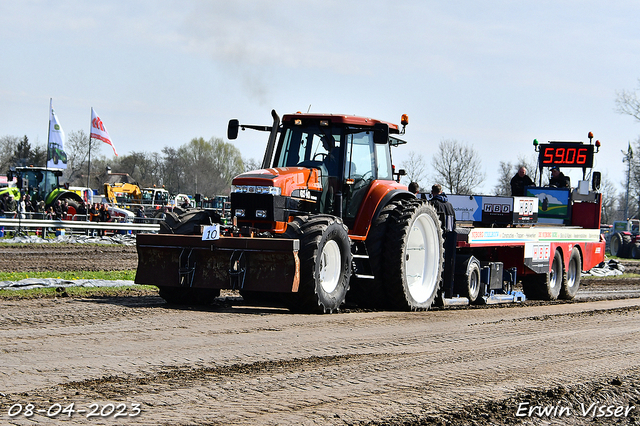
[(558, 179), (519, 182), (105, 216), (443, 208)]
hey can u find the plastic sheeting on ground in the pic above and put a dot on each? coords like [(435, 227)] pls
[(31, 283), (124, 239), (605, 269)]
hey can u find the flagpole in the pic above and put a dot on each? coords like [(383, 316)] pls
[(46, 164), (89, 165)]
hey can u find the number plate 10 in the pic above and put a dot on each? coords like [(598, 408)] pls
[(211, 232)]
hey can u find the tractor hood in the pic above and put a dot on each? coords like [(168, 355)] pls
[(289, 179)]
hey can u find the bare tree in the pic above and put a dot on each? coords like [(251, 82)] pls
[(8, 145), (78, 150), (416, 168), (251, 164), (503, 188), (628, 102), (609, 201), (457, 167)]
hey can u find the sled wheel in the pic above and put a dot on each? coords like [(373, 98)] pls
[(571, 277), (473, 284), (545, 286)]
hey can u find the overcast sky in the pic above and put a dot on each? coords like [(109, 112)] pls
[(492, 74)]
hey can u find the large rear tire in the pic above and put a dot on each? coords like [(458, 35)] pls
[(545, 286), (188, 223), (571, 276), (620, 245), (413, 256), (72, 207), (325, 263), (366, 292)]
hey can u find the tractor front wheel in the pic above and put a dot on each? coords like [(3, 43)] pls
[(325, 263)]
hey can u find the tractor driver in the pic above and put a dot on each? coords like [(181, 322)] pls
[(331, 161)]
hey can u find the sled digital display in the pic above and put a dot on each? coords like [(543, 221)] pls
[(566, 154)]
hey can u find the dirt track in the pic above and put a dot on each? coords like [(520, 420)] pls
[(237, 364)]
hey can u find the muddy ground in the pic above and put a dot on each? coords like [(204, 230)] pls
[(232, 363)]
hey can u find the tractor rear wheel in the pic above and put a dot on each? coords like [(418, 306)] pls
[(325, 263), (571, 276), (367, 292), (413, 256), (189, 295), (545, 286), (620, 245)]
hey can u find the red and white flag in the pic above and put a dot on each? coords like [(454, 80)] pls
[(98, 131)]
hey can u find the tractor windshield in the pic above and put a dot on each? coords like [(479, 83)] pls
[(310, 146), (38, 183)]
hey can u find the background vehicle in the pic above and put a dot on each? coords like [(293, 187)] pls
[(84, 192), (324, 220), (43, 184), (122, 193), (624, 239)]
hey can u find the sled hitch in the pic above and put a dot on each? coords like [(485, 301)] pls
[(187, 268), (237, 270)]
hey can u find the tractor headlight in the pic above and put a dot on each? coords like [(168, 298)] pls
[(251, 189), (239, 212), (261, 214)]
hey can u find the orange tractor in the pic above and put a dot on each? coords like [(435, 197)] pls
[(323, 220)]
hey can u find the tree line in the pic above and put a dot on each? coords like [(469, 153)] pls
[(207, 167), (198, 166)]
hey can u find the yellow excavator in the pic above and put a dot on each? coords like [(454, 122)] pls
[(123, 193)]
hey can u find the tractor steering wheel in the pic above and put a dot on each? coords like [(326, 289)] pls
[(359, 180), (323, 155)]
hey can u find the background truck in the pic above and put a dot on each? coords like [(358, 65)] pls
[(325, 221)]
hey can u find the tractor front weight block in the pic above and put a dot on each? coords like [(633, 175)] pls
[(236, 263)]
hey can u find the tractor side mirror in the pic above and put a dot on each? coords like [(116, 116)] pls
[(381, 133), (232, 130), (399, 174), (10, 176), (596, 180)]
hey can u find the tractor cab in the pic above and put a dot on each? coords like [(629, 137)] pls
[(331, 162), (38, 182)]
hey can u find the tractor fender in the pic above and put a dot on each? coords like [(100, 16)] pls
[(379, 195)]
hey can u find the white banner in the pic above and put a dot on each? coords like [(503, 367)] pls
[(56, 157), (98, 131)]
